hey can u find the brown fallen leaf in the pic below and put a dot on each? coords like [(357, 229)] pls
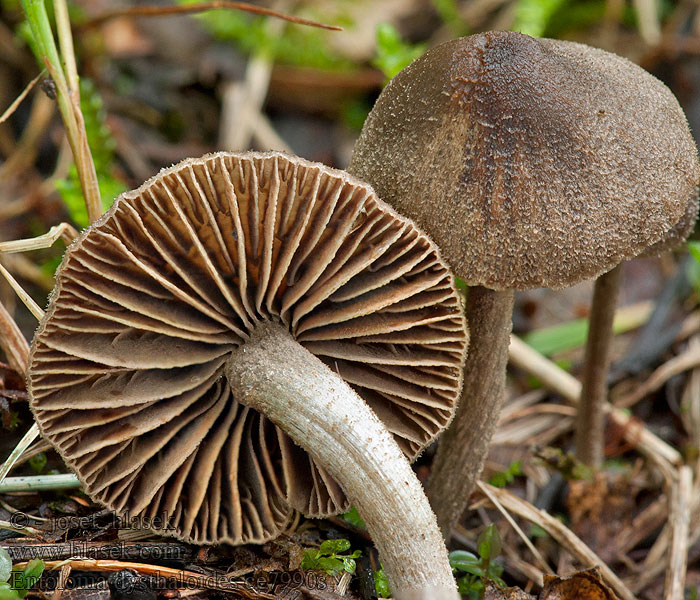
[(584, 585), (512, 593)]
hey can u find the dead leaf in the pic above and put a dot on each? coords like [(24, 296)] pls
[(584, 585), (512, 593)]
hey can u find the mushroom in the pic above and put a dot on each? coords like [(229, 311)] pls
[(246, 335), (589, 431), (531, 163)]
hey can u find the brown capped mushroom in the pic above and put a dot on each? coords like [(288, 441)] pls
[(531, 162), (232, 314), (590, 417)]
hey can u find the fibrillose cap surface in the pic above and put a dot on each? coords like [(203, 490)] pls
[(531, 162), (127, 368)]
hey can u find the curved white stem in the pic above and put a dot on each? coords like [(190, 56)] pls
[(278, 377)]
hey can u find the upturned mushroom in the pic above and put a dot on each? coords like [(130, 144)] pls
[(248, 335), (532, 163)]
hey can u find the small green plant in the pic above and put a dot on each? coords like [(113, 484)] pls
[(533, 16), (503, 478), (297, 46), (329, 558), (59, 60), (353, 517), (478, 569), (693, 268), (102, 146), (567, 464), (38, 463), (692, 593), (449, 14), (381, 584), (15, 584), (393, 53)]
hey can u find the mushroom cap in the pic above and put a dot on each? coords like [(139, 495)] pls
[(531, 162), (126, 375), (679, 233)]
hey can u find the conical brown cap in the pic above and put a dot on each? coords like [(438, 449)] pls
[(531, 162), (127, 368)]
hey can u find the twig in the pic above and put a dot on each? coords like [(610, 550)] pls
[(648, 19), (36, 483), (65, 231), (159, 11), (25, 152), (561, 382), (26, 299), (242, 100), (68, 99), (680, 522), (23, 530), (535, 552), (185, 578), (267, 137), (62, 582), (564, 536), (65, 41), (17, 101), (23, 444), (644, 524), (13, 342), (690, 359)]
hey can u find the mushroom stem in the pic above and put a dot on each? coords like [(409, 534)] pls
[(464, 446), (590, 418), (277, 376)]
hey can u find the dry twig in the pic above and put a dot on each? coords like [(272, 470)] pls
[(563, 535), (680, 521), (535, 552), (159, 11), (17, 101), (561, 382), (13, 342), (64, 231), (26, 299), (225, 583), (690, 359)]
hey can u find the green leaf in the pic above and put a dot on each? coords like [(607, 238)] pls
[(448, 12), (471, 587), (5, 564), (532, 16), (31, 574), (694, 249), (381, 584), (310, 560), (334, 546), (7, 593), (354, 518), (466, 562), (503, 478), (570, 335), (393, 54), (495, 572), (328, 559), (349, 565), (38, 463), (300, 46), (489, 543), (331, 565), (34, 568), (23, 581)]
